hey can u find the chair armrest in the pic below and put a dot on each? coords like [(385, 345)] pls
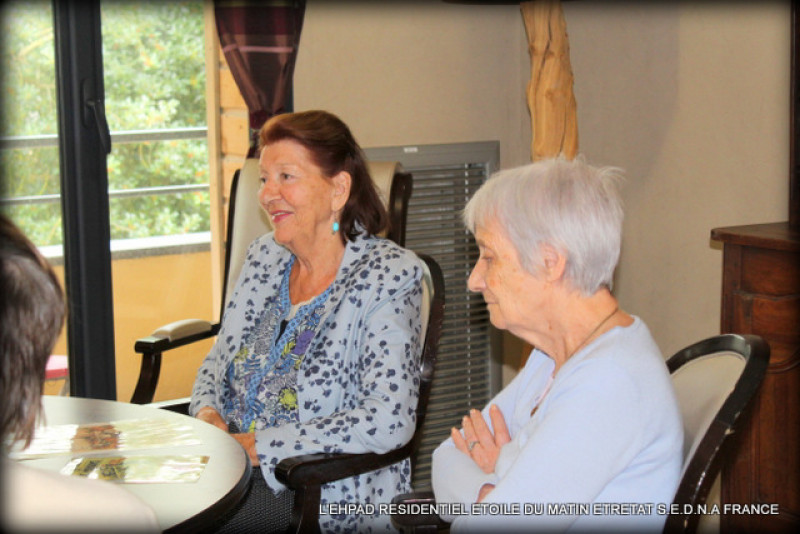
[(316, 469), (173, 405), (175, 335), (417, 522), (306, 474), (167, 337), (415, 497)]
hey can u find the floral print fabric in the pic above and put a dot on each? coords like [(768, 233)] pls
[(262, 377)]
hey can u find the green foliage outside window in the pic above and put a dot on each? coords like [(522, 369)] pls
[(154, 71)]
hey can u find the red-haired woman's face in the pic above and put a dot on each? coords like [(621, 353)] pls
[(301, 202)]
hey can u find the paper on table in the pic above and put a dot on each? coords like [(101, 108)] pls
[(139, 469), (116, 435)]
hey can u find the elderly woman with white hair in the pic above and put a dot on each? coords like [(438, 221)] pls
[(588, 435)]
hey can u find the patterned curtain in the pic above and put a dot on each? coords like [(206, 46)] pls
[(260, 39)]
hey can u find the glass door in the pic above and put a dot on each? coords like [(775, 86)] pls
[(129, 182), (30, 190), (158, 174)]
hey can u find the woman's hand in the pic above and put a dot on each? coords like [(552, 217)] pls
[(485, 490), (248, 441), (212, 417), (478, 442)]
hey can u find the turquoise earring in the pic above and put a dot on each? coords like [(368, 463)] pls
[(335, 227)]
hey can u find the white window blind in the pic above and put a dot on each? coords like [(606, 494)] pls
[(465, 375)]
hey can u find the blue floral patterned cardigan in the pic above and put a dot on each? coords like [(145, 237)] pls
[(357, 384)]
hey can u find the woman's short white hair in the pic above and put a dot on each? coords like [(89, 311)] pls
[(567, 204)]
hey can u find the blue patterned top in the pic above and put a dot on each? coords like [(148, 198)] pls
[(262, 377), (357, 384)]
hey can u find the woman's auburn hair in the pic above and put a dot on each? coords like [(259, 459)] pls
[(333, 149), (32, 313)]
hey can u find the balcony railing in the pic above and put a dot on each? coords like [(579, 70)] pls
[(123, 248), (128, 136), (124, 136)]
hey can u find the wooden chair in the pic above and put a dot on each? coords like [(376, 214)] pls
[(715, 381), (246, 222), (307, 473)]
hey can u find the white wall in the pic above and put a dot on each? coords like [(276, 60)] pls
[(691, 100)]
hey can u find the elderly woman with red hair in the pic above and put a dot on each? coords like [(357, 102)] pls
[(320, 343)]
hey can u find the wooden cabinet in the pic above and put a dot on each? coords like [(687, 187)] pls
[(761, 295)]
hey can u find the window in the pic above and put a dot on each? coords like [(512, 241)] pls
[(153, 81), (29, 162), (154, 69)]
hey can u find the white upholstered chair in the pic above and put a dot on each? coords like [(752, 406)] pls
[(715, 381)]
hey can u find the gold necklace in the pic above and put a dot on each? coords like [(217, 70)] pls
[(587, 338), (593, 332)]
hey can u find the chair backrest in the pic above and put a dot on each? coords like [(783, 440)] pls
[(432, 316), (247, 221), (715, 381), (394, 186)]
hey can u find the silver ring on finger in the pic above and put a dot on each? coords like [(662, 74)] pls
[(471, 445)]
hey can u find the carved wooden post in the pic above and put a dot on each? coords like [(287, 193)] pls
[(550, 97), (551, 100)]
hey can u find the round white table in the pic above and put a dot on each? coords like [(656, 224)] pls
[(181, 507)]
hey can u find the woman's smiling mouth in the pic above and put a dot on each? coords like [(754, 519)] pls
[(278, 216)]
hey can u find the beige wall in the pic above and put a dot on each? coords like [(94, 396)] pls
[(691, 100), (417, 72)]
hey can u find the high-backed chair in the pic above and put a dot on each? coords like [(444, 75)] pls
[(246, 222), (307, 473), (715, 381)]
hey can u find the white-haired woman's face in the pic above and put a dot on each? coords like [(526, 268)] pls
[(511, 293)]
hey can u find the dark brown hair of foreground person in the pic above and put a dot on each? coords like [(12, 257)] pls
[(333, 149), (31, 316)]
